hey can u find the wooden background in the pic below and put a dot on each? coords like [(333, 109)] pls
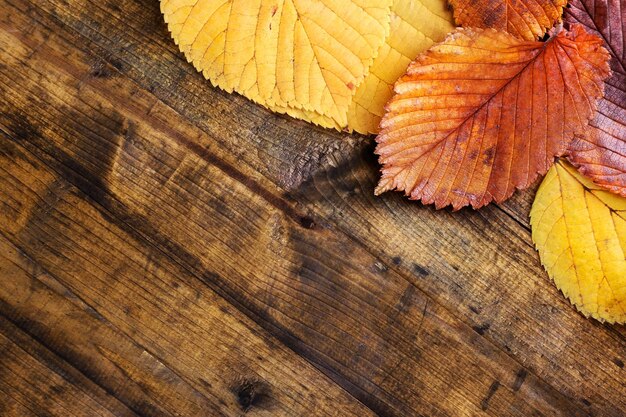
[(169, 249)]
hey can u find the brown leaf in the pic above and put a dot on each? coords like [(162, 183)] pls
[(527, 19), (601, 152), (484, 113)]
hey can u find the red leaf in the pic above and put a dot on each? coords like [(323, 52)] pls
[(601, 152), (484, 113)]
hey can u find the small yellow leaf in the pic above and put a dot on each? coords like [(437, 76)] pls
[(415, 27), (579, 230), (307, 55)]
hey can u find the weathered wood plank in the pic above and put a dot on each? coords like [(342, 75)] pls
[(34, 379), (12, 408), (162, 344), (53, 240), (81, 336), (321, 292)]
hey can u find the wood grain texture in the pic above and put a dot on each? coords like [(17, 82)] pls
[(188, 252), (35, 380)]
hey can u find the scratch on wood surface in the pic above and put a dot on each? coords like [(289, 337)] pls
[(484, 404)]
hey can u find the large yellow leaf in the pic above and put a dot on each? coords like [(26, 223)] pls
[(579, 230), (414, 26), (303, 54), (309, 116)]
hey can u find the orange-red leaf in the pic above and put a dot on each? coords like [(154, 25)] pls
[(484, 113), (527, 19), (600, 153)]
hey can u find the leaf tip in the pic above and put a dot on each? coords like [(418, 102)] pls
[(384, 185)]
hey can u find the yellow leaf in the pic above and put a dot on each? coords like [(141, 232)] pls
[(309, 116), (307, 55), (415, 26), (579, 230)]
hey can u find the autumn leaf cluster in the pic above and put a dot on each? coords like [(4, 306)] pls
[(464, 116)]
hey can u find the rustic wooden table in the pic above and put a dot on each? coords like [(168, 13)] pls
[(169, 249)]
